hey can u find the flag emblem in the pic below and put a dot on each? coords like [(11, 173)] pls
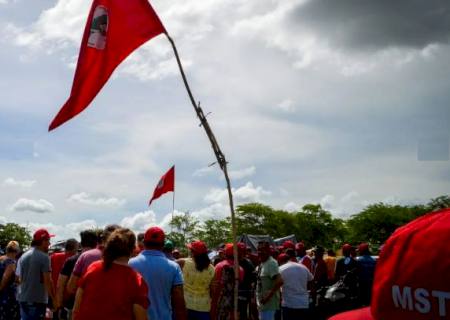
[(160, 183), (99, 27)]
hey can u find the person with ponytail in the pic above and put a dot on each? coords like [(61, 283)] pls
[(198, 274), (110, 289)]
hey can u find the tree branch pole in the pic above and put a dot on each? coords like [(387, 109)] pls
[(223, 165)]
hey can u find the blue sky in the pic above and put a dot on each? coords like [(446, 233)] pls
[(342, 106)]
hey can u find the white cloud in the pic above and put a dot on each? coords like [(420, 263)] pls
[(286, 106), (19, 183), (246, 193), (243, 173), (89, 199), (203, 171), (292, 207), (38, 206), (66, 231), (139, 222)]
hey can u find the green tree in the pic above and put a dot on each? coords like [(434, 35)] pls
[(214, 232), (13, 231), (439, 203), (378, 221), (183, 228), (252, 218)]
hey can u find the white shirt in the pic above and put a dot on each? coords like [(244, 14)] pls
[(295, 291)]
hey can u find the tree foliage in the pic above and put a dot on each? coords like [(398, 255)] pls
[(13, 231), (312, 224)]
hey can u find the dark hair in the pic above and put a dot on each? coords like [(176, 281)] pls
[(140, 237), (71, 245), (120, 243), (107, 231), (201, 261), (153, 245), (89, 238), (290, 253), (36, 243), (331, 253)]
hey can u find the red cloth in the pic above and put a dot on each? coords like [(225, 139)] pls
[(219, 268), (111, 294), (57, 262), (114, 29), (359, 314), (165, 184)]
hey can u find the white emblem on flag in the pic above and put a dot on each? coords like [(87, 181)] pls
[(99, 28), (160, 184)]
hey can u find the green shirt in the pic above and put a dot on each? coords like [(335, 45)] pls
[(267, 272)]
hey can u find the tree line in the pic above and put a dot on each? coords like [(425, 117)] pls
[(312, 224)]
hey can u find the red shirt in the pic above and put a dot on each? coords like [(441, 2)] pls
[(219, 268), (57, 261), (111, 294)]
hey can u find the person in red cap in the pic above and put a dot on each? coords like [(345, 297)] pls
[(198, 275), (222, 304), (36, 285), (268, 283), (347, 267), (302, 257), (163, 276), (412, 274)]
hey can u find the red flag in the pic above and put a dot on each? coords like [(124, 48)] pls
[(114, 29), (165, 184)]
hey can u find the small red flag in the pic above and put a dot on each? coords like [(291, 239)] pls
[(114, 29), (165, 184)]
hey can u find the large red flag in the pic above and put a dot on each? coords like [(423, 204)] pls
[(114, 29), (165, 184)]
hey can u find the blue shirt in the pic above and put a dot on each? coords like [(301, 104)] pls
[(161, 275)]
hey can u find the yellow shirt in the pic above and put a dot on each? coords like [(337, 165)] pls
[(196, 286)]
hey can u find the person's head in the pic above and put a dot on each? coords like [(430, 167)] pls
[(363, 249), (319, 251), (242, 250), (168, 247), (300, 249), (107, 232), (290, 253), (41, 240), (154, 238), (221, 253), (176, 254), (264, 250), (288, 245), (346, 250), (89, 239), (199, 253), (71, 246), (282, 259), (12, 248), (120, 244), (140, 240), (229, 251), (331, 253)]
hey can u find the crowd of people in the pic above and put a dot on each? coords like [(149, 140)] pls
[(118, 275)]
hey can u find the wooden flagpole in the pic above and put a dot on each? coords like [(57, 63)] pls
[(223, 165)]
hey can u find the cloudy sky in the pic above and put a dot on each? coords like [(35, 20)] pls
[(342, 103)]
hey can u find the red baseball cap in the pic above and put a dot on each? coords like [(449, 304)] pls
[(154, 234), (288, 245), (42, 234), (299, 246), (412, 278), (197, 247), (229, 250)]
